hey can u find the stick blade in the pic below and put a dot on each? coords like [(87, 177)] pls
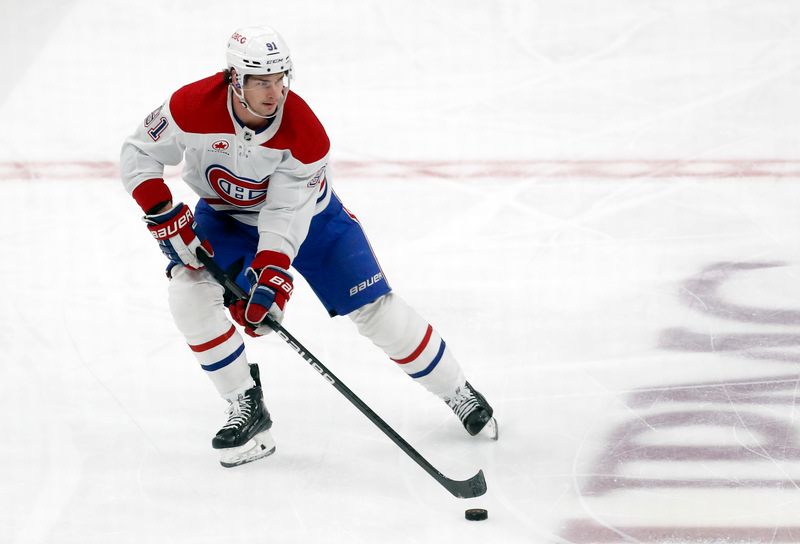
[(465, 489)]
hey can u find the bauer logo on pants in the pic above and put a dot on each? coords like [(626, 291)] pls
[(354, 290), (241, 192)]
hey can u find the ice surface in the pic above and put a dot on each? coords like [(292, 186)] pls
[(594, 203)]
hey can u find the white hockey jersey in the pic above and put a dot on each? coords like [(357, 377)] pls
[(274, 179)]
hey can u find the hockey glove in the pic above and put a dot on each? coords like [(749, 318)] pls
[(271, 288), (178, 235)]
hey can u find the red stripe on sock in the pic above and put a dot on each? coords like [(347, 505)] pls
[(419, 349), (213, 343)]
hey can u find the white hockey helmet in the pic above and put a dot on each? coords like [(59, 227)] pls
[(257, 50)]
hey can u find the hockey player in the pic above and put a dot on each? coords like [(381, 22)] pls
[(257, 156)]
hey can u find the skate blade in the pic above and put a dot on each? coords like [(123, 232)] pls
[(491, 429), (261, 445)]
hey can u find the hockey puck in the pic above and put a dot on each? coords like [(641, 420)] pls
[(476, 514)]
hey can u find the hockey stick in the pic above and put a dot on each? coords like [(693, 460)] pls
[(463, 489)]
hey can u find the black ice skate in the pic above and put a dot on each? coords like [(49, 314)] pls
[(473, 411), (245, 437)]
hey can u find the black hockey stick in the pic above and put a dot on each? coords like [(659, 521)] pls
[(463, 489)]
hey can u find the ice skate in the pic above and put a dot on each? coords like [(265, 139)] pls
[(245, 437), (473, 411)]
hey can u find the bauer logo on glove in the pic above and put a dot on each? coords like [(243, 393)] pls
[(281, 283), (186, 218), (178, 235), (271, 288)]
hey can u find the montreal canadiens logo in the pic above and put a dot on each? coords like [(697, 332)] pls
[(241, 192)]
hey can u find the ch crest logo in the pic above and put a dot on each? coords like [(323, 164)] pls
[(235, 190)]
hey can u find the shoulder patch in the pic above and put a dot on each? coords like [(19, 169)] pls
[(201, 107), (153, 114), (300, 132)]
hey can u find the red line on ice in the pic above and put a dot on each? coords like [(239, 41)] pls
[(483, 169)]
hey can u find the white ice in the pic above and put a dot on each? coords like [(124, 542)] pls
[(596, 203)]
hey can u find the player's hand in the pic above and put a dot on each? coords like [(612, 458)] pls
[(178, 235), (271, 288)]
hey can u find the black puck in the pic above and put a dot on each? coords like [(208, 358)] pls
[(476, 514)]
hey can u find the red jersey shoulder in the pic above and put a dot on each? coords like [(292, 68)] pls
[(202, 107), (300, 131)]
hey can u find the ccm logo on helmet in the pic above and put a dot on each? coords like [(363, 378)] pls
[(238, 37), (241, 192)]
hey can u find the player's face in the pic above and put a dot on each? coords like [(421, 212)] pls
[(263, 93)]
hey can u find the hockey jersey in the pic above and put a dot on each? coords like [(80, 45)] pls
[(274, 179)]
